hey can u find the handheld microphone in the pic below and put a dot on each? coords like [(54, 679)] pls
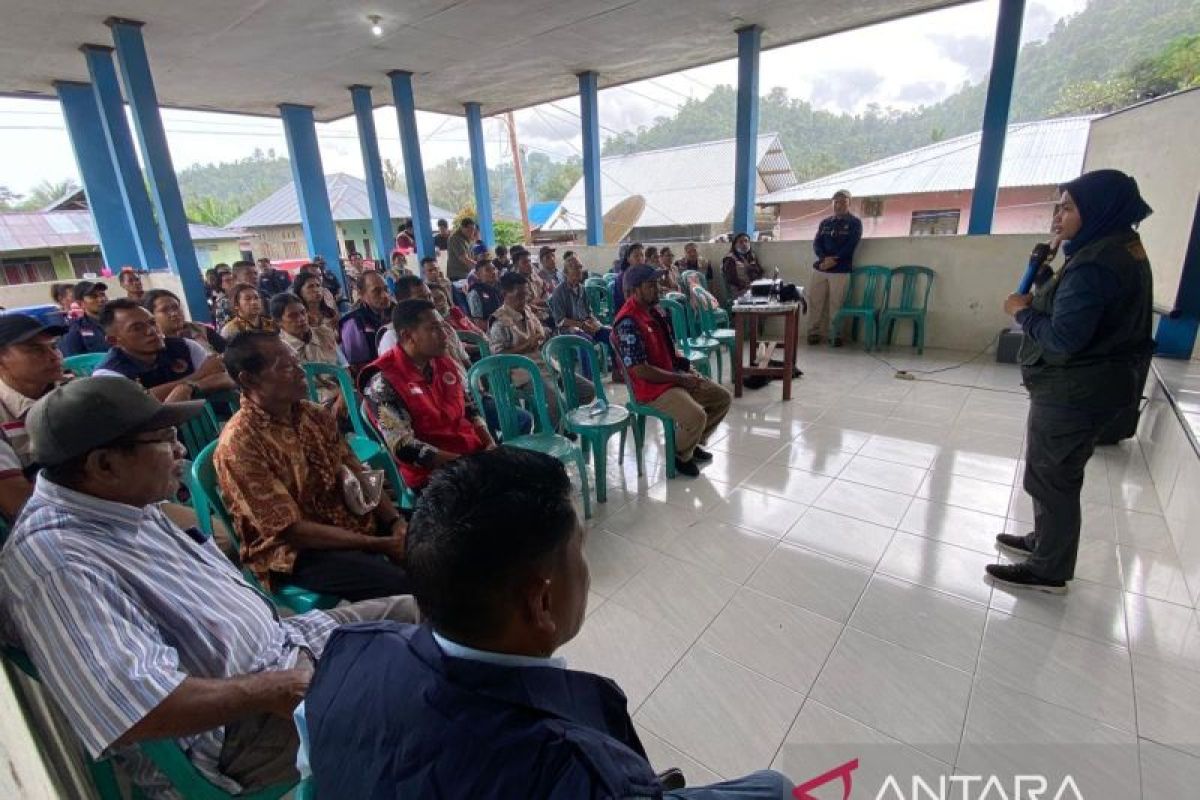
[(1042, 254)]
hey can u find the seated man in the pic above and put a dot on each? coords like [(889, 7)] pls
[(30, 366), (417, 398), (482, 256), (516, 330), (279, 462), (318, 345), (141, 630), (474, 703), (170, 368), (85, 334), (569, 305), (659, 377), (485, 296), (360, 328)]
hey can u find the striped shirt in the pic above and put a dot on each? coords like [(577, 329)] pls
[(117, 605)]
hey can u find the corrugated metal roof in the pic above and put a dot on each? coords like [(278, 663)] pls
[(347, 200), (1041, 153), (39, 230), (687, 185)]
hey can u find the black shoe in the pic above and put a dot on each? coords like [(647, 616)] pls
[(700, 454), (1018, 576), (688, 468), (837, 342), (814, 338), (1013, 545)]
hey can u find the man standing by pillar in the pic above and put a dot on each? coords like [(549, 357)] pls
[(834, 245)]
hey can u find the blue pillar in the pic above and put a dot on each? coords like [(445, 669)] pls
[(589, 115), (479, 174), (164, 186), (1176, 334), (995, 115), (118, 244), (745, 174), (320, 236), (124, 158), (381, 218), (414, 170)]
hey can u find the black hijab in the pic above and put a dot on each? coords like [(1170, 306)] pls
[(1108, 202)]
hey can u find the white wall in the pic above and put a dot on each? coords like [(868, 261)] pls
[(38, 294), (974, 275)]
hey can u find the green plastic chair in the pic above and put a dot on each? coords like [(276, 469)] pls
[(199, 431), (695, 350), (563, 354), (171, 761), (599, 300), (365, 442), (640, 413), (912, 276), (495, 372), (711, 327), (871, 284), (722, 315), (476, 339), (84, 364), (206, 501)]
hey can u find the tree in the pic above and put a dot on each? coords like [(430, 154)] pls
[(450, 184), (9, 199), (211, 211), (46, 192), (393, 178), (507, 232)]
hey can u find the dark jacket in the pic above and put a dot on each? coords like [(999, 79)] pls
[(390, 716), (837, 237), (84, 335), (173, 363), (360, 332), (1088, 330), (276, 282)]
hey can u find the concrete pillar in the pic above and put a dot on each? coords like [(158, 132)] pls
[(589, 114), (300, 131), (745, 177), (381, 218), (479, 174), (414, 169)]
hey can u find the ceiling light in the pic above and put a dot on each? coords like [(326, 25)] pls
[(376, 28)]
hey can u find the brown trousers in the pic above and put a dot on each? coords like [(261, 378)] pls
[(696, 413)]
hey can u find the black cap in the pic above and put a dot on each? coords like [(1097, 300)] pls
[(17, 328), (84, 288), (545, 249), (516, 251)]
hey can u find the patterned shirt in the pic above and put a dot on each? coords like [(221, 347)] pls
[(117, 605), (238, 325), (321, 347), (390, 415), (276, 473), (14, 441), (512, 331)]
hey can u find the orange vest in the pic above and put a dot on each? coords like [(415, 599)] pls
[(437, 407)]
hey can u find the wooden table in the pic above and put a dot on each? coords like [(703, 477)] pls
[(746, 317)]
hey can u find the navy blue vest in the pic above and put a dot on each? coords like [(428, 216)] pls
[(390, 715), (174, 362), (490, 296)]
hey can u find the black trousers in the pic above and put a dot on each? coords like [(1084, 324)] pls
[(1059, 443), (350, 574)]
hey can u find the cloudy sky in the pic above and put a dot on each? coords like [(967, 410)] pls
[(841, 73)]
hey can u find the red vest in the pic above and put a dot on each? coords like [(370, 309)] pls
[(660, 349), (437, 407)]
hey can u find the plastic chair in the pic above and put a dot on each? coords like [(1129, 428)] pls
[(908, 308), (875, 282), (640, 412), (599, 301), (711, 327), (170, 760), (199, 431), (695, 350), (368, 447), (477, 339), (84, 364), (495, 372), (563, 354), (206, 501)]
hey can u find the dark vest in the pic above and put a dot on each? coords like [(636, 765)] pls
[(390, 716), (1104, 374), (491, 296), (173, 363)]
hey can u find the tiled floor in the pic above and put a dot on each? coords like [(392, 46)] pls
[(817, 596)]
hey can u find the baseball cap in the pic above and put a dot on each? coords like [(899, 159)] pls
[(479, 249), (84, 288), (17, 328), (545, 249), (636, 276), (88, 413)]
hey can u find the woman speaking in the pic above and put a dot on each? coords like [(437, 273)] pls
[(1087, 330)]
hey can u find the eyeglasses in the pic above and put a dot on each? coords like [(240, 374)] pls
[(161, 436)]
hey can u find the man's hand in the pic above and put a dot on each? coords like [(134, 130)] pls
[(1016, 302), (213, 365), (392, 546), (689, 381), (284, 690)]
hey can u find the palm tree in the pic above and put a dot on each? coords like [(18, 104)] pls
[(47, 192)]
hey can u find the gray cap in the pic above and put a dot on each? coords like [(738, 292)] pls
[(88, 413), (636, 276)]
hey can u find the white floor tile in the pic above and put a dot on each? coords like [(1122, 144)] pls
[(650, 523), (613, 560), (1168, 704), (827, 586), (894, 447), (864, 502), (696, 496), (996, 469), (881, 474), (676, 595), (729, 468), (1143, 531), (795, 485), (722, 549), (938, 566), (779, 640), (1087, 609), (1156, 575), (964, 527), (819, 459), (830, 437), (969, 493), (1166, 774), (758, 511), (841, 536), (907, 696), (663, 756), (725, 716), (1163, 631)]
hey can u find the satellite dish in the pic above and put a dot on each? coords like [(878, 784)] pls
[(621, 218)]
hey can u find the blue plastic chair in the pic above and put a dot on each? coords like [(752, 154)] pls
[(866, 295), (596, 422), (84, 364), (495, 373), (908, 307), (206, 501)]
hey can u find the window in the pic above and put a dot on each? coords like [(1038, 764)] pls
[(33, 269), (872, 207), (366, 248), (86, 263), (351, 247), (291, 250), (934, 223)]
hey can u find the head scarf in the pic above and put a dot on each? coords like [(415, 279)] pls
[(1108, 202)]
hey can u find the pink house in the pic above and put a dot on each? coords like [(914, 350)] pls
[(927, 191)]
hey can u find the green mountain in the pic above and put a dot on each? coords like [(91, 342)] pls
[(1104, 48)]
